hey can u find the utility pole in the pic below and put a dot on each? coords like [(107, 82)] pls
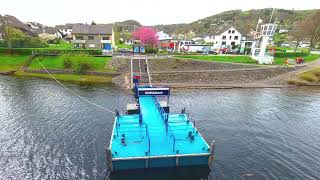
[(271, 15), (5, 31)]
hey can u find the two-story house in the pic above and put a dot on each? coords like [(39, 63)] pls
[(100, 36)]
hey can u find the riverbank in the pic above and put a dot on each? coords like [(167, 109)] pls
[(189, 73), (173, 72)]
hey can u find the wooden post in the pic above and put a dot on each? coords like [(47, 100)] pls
[(211, 157), (177, 161), (109, 159)]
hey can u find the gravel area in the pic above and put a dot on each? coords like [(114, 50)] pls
[(239, 76), (187, 64)]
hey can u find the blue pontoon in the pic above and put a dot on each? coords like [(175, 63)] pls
[(154, 138)]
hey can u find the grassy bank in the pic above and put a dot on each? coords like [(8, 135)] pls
[(12, 62), (308, 58), (15, 62), (57, 62), (311, 77), (217, 58), (86, 79)]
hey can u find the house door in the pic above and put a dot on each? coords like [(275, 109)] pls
[(107, 46)]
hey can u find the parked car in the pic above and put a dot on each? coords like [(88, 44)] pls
[(205, 53), (213, 52), (233, 51), (285, 44), (124, 50)]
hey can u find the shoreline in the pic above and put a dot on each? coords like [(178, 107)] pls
[(181, 74)]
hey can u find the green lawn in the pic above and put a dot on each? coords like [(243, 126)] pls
[(308, 58), (56, 62), (14, 62), (226, 58)]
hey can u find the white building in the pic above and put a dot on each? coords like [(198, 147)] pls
[(228, 38), (209, 39), (128, 42), (163, 36), (64, 31)]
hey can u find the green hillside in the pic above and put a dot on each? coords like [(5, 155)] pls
[(243, 20)]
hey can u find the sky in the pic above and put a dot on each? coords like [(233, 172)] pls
[(147, 12)]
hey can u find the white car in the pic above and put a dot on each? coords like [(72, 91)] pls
[(304, 45)]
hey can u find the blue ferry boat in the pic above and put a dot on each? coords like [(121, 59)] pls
[(151, 137)]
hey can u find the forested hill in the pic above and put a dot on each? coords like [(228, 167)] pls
[(243, 20)]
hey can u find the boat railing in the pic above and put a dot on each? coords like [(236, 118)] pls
[(173, 138), (165, 117), (163, 113), (148, 135)]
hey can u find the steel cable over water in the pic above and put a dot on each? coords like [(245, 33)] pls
[(72, 92)]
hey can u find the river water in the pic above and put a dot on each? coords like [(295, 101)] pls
[(47, 133)]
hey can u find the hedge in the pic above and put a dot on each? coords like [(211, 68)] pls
[(28, 51), (290, 54)]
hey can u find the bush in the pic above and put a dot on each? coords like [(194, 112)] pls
[(67, 62), (81, 63), (308, 77), (290, 54), (150, 50)]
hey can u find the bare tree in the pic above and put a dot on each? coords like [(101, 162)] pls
[(312, 28), (298, 33), (5, 31)]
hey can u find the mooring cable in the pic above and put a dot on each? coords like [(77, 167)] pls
[(72, 92)]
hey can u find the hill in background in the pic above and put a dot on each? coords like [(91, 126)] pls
[(243, 20)]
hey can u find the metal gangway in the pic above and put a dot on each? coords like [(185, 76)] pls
[(140, 70)]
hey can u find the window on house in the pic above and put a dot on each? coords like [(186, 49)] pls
[(229, 32), (105, 38), (233, 43), (90, 37), (223, 43), (224, 37), (236, 37), (79, 37), (230, 37), (233, 31)]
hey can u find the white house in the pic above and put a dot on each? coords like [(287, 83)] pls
[(163, 36), (228, 38), (64, 31), (128, 42)]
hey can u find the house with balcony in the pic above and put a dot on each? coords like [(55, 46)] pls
[(99, 36)]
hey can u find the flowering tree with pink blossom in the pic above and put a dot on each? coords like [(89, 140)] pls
[(147, 36)]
